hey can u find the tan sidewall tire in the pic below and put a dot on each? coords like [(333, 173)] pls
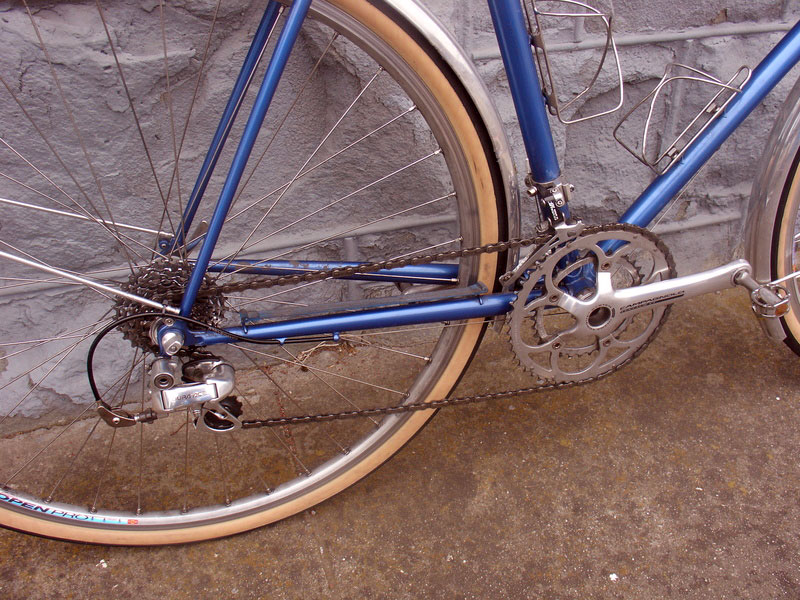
[(786, 221), (470, 141)]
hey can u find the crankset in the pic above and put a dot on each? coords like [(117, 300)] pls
[(572, 321)]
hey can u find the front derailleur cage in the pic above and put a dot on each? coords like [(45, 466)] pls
[(552, 200)]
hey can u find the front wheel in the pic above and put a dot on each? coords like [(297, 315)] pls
[(785, 251), (372, 150)]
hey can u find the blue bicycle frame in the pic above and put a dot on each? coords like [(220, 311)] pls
[(514, 42)]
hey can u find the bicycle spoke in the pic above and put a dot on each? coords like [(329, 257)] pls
[(171, 112), (230, 258), (175, 170), (305, 164), (71, 116), (222, 471), (122, 393), (111, 277), (270, 297), (113, 48), (68, 468), (103, 470), (67, 351), (186, 464), (34, 258), (141, 443), (347, 196), (318, 165), (52, 149), (358, 340), (310, 368), (41, 341), (104, 290), (274, 136), (251, 409), (287, 441), (64, 430), (105, 224), (72, 215), (351, 230), (291, 449), (39, 453), (23, 282), (428, 249), (246, 300), (288, 396), (330, 387)]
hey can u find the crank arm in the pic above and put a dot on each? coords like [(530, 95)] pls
[(629, 301)]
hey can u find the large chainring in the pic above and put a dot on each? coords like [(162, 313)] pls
[(563, 327)]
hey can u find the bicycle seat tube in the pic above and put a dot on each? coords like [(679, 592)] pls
[(515, 48)]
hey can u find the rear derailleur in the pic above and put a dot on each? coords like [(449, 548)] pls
[(202, 385)]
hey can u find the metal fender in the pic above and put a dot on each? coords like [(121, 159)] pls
[(434, 33), (776, 162)]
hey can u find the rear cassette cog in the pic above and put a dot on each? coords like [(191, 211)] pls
[(560, 327), (164, 280)]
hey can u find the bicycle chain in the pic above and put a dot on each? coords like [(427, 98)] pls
[(495, 247), (372, 267), (403, 408)]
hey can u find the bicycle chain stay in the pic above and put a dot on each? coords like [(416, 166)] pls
[(542, 385), (542, 244)]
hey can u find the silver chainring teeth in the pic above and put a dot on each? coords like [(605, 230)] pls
[(566, 326)]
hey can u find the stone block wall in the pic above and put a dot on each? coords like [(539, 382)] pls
[(717, 36)]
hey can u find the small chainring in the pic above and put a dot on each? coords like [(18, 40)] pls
[(562, 327)]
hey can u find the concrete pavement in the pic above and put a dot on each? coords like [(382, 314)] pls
[(676, 477)]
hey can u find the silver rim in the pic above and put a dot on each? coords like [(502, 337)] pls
[(62, 462)]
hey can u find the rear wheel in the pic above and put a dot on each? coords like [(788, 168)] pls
[(371, 151)]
